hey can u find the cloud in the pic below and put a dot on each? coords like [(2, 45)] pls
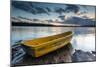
[(83, 21), (30, 7), (39, 8), (60, 10), (72, 8)]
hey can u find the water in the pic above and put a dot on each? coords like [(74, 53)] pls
[(84, 37)]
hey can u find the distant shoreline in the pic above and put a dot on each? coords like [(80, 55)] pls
[(40, 24)]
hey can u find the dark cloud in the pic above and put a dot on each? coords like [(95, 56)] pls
[(60, 10), (30, 7), (48, 9), (62, 17), (24, 6), (83, 21), (72, 8), (81, 13), (39, 8)]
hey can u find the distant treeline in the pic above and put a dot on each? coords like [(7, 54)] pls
[(40, 24)]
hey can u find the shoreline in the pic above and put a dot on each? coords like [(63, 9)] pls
[(62, 55), (47, 25)]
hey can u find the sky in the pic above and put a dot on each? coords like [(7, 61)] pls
[(38, 10)]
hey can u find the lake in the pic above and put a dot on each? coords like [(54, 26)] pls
[(84, 37)]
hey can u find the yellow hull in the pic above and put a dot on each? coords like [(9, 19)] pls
[(41, 46)]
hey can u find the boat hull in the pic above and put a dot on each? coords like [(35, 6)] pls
[(49, 46)]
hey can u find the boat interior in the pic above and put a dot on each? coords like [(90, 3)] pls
[(38, 41)]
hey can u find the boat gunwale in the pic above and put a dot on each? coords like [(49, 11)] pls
[(49, 41)]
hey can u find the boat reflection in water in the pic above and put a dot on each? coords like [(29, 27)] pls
[(82, 45)]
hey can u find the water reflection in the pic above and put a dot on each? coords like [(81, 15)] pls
[(84, 37), (84, 42)]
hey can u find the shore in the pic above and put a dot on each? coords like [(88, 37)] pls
[(62, 55)]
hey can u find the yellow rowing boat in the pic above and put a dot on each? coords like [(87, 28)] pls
[(41, 46)]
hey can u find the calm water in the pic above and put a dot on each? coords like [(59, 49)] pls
[(84, 37)]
